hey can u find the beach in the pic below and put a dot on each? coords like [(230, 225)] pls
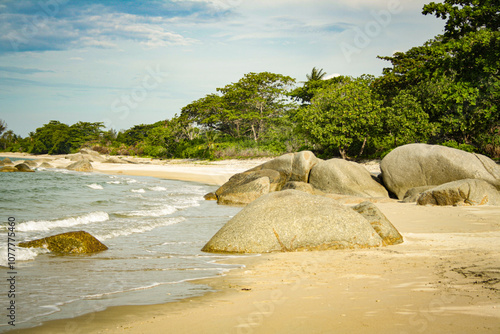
[(444, 278)]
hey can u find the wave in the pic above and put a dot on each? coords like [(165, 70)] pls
[(22, 254), (157, 212), (141, 191), (157, 188), (46, 225), (95, 186), (138, 229)]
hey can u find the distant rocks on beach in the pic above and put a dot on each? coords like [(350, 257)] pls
[(79, 242), (10, 167), (406, 173)]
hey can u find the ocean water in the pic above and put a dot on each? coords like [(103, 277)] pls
[(154, 229)]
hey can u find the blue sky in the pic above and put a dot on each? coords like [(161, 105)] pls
[(131, 62)]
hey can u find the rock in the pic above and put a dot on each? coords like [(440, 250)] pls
[(412, 194), (462, 192), (417, 165), (292, 220), (295, 166), (301, 186), (210, 197), (246, 187), (71, 242), (114, 160), (30, 163), (23, 168), (389, 234), (7, 162), (8, 169), (45, 165), (81, 166), (339, 176), (90, 152)]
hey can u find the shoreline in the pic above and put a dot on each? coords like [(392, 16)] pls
[(445, 277)]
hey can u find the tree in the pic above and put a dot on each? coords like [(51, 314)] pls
[(3, 126), (244, 109), (52, 138), (315, 75), (465, 16), (342, 114)]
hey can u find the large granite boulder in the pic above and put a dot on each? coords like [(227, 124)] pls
[(114, 160), (461, 192), (389, 234), (412, 195), (30, 163), (417, 165), (71, 243), (83, 165), (339, 176), (246, 187), (293, 220), (295, 166)]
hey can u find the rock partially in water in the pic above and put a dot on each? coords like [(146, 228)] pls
[(79, 242), (210, 197)]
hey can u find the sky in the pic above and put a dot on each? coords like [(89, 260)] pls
[(128, 62)]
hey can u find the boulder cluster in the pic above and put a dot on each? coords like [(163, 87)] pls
[(290, 201), (426, 174)]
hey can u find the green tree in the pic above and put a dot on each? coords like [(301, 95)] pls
[(316, 75), (51, 138), (342, 114), (3, 126)]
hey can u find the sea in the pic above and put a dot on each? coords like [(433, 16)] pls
[(154, 228)]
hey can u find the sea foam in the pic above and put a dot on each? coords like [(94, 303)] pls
[(47, 225)]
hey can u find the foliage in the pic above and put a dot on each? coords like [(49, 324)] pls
[(341, 114)]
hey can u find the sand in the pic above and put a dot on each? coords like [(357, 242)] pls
[(445, 278)]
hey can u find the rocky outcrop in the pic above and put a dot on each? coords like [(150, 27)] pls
[(384, 228), (83, 165), (246, 187), (417, 165), (68, 243), (293, 220), (462, 192), (22, 167), (339, 176)]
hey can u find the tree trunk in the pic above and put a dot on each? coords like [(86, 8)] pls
[(342, 153), (363, 147), (254, 133)]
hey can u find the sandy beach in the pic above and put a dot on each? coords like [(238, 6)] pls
[(445, 278)]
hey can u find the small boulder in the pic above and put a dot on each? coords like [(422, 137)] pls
[(210, 197), (293, 220), (462, 192), (24, 168), (413, 194), (114, 160), (244, 188), (8, 169), (389, 234), (45, 165), (339, 176), (7, 162), (83, 165), (417, 165), (68, 243), (301, 186)]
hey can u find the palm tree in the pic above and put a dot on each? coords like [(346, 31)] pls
[(3, 126), (315, 74)]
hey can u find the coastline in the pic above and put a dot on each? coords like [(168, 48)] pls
[(445, 277)]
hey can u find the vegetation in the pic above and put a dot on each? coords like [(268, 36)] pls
[(446, 91)]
